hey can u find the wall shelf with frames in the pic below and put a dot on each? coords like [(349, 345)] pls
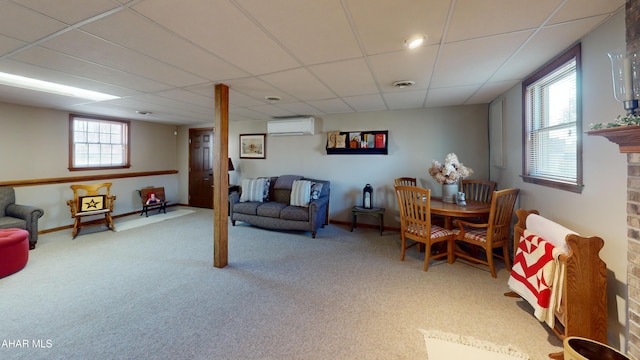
[(357, 142)]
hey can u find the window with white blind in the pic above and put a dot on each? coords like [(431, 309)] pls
[(98, 143), (552, 151)]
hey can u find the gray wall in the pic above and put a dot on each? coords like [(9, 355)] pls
[(601, 208)]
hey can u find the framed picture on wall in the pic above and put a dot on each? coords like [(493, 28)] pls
[(253, 146)]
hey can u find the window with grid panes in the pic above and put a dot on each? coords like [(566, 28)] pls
[(98, 143), (552, 151)]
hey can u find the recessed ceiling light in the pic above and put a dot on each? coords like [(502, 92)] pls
[(403, 83), (141, 112), (273, 98), (415, 41), (52, 88)]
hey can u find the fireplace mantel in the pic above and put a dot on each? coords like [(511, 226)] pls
[(627, 137)]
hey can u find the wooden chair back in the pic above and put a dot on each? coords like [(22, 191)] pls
[(406, 181), (80, 191), (500, 216), (415, 210), (415, 223), (478, 190)]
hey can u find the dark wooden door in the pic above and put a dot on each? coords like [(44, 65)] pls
[(201, 168)]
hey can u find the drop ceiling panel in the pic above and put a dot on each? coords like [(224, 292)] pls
[(475, 19), (223, 29), (19, 23), (272, 110), (160, 44), (543, 47), (450, 96), (468, 62), (8, 44), (299, 83), (331, 106), (490, 91), (46, 58), (579, 9), (302, 22), (404, 65), (91, 48), (346, 78), (384, 25), (405, 99), (69, 11), (188, 97), (299, 108), (362, 103)]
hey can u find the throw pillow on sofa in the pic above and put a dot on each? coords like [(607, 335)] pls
[(253, 190), (316, 190), (301, 193)]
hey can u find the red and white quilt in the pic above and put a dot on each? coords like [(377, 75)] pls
[(534, 274)]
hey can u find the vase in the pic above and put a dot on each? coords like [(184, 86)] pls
[(449, 192)]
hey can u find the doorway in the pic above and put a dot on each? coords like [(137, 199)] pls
[(201, 168)]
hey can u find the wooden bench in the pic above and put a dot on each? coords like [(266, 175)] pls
[(90, 200), (153, 198)]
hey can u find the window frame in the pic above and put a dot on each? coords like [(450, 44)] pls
[(555, 64), (126, 138)]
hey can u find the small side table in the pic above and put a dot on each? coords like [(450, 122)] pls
[(375, 212)]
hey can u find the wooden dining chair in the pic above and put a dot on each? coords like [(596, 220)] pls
[(407, 181), (492, 234), (415, 224), (478, 190)]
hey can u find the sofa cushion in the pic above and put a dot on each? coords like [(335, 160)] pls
[(253, 190), (11, 222), (249, 208), (297, 213), (301, 193), (271, 209), (285, 182)]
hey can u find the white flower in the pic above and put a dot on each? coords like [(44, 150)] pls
[(450, 172)]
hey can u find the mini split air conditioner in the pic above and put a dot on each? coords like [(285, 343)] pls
[(291, 126)]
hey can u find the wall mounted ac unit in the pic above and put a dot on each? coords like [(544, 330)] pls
[(291, 126)]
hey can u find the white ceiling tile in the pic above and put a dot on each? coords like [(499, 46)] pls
[(188, 97), (548, 43), (69, 11), (346, 78), (8, 44), (302, 22), (405, 99), (91, 48), (468, 62), (415, 65), (56, 61), (222, 29), (160, 44), (18, 22), (272, 110), (579, 9), (384, 25), (362, 103), (300, 83), (474, 19), (299, 108), (490, 91), (450, 96), (331, 106)]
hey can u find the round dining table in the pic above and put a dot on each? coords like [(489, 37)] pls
[(451, 211)]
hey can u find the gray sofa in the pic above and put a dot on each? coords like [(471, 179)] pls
[(277, 213), (13, 215)]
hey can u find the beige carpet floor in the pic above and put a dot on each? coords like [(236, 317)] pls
[(151, 292)]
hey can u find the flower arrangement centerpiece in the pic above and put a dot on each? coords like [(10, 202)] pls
[(449, 174)]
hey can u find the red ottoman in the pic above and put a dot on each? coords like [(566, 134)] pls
[(14, 250)]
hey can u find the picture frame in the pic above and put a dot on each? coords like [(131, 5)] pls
[(253, 146), (92, 203)]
